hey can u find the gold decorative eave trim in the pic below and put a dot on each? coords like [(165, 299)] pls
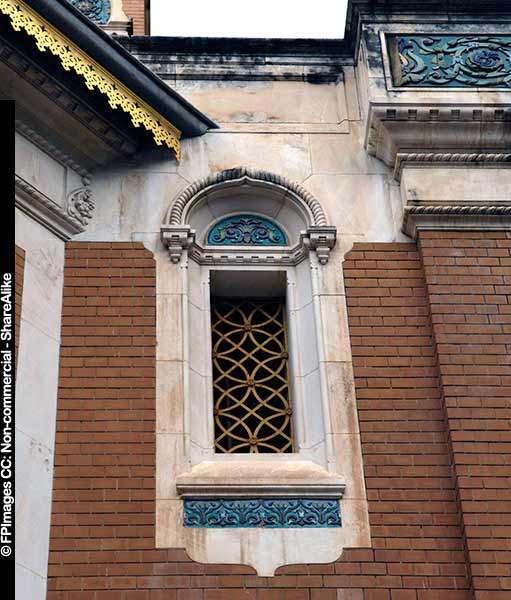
[(72, 57)]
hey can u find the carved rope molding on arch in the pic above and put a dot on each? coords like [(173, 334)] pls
[(177, 210), (178, 236)]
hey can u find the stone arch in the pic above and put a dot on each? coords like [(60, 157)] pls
[(186, 199), (263, 193)]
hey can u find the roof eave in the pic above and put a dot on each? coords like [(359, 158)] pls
[(120, 63)]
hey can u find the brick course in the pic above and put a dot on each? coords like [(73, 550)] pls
[(468, 277), (136, 9), (102, 535)]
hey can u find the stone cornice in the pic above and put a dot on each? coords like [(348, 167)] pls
[(275, 490), (397, 133), (456, 218), (63, 223), (456, 158), (238, 59)]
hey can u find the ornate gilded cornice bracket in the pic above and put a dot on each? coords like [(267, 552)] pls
[(72, 57)]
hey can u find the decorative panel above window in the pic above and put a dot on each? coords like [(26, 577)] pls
[(451, 60), (97, 10), (246, 230)]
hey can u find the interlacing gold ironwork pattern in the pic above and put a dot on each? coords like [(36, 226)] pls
[(72, 57), (250, 376)]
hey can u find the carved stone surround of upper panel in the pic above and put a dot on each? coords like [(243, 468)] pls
[(436, 138)]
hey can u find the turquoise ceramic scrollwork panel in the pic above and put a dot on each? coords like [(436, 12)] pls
[(272, 514), (452, 60), (246, 230), (97, 10)]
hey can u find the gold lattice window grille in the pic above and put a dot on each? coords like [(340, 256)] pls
[(252, 404)]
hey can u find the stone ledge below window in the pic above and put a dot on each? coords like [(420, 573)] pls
[(259, 479)]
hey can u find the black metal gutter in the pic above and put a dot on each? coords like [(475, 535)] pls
[(122, 65)]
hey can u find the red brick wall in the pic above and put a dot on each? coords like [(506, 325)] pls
[(102, 536), (102, 532), (468, 277), (19, 272), (136, 9), (414, 519)]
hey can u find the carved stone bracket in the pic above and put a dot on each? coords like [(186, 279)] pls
[(177, 239), (320, 239)]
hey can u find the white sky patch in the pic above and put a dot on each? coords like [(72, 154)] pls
[(236, 18)]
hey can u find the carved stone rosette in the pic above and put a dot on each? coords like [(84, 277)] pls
[(80, 204)]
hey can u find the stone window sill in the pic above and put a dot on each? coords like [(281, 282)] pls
[(259, 479)]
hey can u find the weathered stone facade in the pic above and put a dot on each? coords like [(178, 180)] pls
[(395, 195)]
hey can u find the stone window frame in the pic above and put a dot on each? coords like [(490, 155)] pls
[(328, 461)]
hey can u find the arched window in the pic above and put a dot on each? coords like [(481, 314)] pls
[(258, 303)]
